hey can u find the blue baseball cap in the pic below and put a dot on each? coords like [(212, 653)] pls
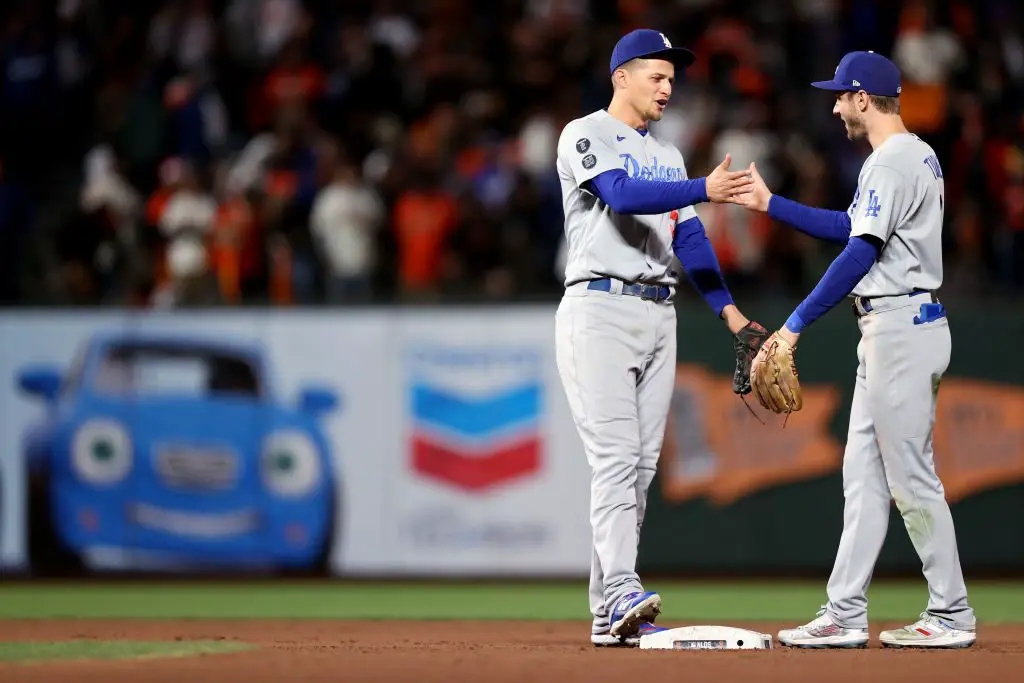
[(867, 71), (645, 42)]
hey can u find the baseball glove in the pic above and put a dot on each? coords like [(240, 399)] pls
[(773, 376), (745, 344)]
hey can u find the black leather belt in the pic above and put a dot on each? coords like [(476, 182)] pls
[(862, 304)]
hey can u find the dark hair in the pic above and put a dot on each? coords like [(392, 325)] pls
[(886, 105), (632, 64)]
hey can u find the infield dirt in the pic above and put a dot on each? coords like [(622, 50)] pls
[(485, 652)]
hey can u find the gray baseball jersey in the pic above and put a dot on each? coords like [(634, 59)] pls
[(602, 243), (904, 351), (899, 199)]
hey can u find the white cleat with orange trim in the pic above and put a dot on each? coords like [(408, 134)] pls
[(929, 631), (822, 633)]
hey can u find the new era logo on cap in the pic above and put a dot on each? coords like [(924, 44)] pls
[(867, 71)]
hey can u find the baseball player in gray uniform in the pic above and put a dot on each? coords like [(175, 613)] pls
[(628, 209), (892, 265)]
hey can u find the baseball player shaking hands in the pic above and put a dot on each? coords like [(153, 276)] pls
[(892, 265), (628, 213)]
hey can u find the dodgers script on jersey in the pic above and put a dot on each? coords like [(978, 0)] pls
[(602, 243), (900, 200)]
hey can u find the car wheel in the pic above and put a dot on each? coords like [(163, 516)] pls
[(47, 554), (320, 566)]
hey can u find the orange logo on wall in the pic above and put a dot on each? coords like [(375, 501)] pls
[(979, 436), (715, 448)]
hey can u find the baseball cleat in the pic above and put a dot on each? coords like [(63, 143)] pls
[(632, 610), (928, 631), (608, 640), (822, 632)]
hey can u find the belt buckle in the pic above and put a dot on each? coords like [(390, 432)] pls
[(650, 292)]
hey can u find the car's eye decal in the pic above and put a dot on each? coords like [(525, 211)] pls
[(101, 452), (289, 464), (282, 461)]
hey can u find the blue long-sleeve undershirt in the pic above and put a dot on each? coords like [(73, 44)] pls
[(833, 226), (627, 195), (693, 248), (842, 276)]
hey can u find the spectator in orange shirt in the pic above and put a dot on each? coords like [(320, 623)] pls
[(295, 80), (424, 216), (236, 248)]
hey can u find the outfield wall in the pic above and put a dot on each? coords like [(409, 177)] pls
[(437, 442), (778, 507)]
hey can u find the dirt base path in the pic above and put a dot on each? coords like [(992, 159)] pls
[(485, 652)]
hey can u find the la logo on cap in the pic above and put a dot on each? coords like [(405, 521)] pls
[(665, 40)]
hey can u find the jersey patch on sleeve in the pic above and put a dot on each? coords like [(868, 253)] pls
[(874, 206), (589, 161), (582, 145)]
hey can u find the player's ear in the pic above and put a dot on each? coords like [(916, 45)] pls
[(619, 79)]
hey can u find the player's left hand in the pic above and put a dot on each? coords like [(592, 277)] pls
[(746, 342)]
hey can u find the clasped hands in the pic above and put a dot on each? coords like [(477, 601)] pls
[(744, 188)]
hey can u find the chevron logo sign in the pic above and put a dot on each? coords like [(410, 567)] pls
[(475, 415)]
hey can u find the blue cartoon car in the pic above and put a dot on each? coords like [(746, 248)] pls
[(170, 452)]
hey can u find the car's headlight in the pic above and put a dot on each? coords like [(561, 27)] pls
[(101, 452), (289, 464)]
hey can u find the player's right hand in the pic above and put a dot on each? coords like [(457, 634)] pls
[(757, 198), (723, 184)]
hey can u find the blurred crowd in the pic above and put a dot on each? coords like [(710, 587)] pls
[(295, 152)]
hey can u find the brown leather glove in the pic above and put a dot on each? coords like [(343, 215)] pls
[(774, 378)]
